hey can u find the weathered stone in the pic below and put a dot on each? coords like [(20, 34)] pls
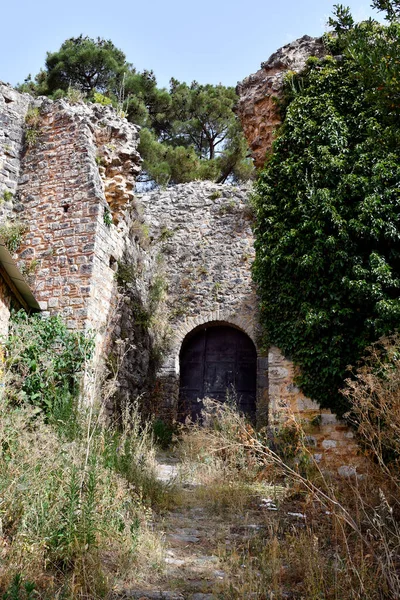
[(257, 107)]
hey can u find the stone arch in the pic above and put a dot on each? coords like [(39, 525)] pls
[(217, 317)]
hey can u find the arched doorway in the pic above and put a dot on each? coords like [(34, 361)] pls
[(217, 361)]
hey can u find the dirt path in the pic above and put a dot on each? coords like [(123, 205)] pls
[(196, 540)]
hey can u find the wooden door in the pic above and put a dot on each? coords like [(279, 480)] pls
[(217, 362)]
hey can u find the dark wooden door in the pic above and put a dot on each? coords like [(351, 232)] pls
[(217, 362)]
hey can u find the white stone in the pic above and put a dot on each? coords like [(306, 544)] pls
[(347, 471), (327, 444)]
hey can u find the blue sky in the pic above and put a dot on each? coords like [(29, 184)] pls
[(212, 41)]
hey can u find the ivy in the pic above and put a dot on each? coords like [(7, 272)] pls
[(328, 211)]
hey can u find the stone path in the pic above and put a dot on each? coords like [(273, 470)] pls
[(195, 543)]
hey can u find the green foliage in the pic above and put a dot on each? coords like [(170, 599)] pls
[(86, 64), (32, 122), (163, 433), (12, 234), (107, 218), (45, 361), (101, 99), (188, 132), (328, 234), (7, 196), (19, 590), (391, 7)]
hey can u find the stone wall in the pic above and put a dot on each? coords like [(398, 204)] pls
[(202, 235), (65, 179), (329, 439), (13, 109), (257, 108), (182, 256)]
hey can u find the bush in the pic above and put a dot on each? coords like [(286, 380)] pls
[(44, 362), (327, 232)]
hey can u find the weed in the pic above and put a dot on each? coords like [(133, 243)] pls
[(166, 234), (32, 122), (216, 289), (28, 269), (32, 118), (7, 196), (107, 218), (12, 234), (215, 195), (141, 232), (228, 208), (202, 270), (101, 99), (19, 590), (164, 433), (157, 292), (99, 160), (74, 95)]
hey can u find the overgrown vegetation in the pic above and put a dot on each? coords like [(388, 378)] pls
[(12, 234), (315, 535), (328, 236), (44, 364), (32, 130), (76, 502), (188, 132)]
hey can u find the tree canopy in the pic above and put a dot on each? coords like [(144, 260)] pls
[(90, 65), (188, 132), (328, 208)]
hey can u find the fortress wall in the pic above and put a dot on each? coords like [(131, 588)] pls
[(187, 254)]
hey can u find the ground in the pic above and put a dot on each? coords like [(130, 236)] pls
[(205, 536)]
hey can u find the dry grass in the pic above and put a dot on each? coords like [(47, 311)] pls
[(347, 544)]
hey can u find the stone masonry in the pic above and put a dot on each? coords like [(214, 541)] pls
[(258, 108), (60, 187), (202, 232), (183, 254)]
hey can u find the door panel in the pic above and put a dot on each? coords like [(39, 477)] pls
[(218, 361)]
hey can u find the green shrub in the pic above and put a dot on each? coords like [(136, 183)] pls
[(44, 363), (327, 233), (101, 99), (12, 234), (19, 590)]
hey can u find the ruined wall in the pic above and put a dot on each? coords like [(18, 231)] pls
[(202, 234), (329, 439), (71, 169), (72, 179), (182, 256), (257, 107), (13, 109)]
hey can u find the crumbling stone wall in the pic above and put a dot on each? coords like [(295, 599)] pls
[(13, 109), (182, 256), (258, 94), (64, 205), (202, 234)]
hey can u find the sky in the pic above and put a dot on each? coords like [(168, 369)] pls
[(210, 41)]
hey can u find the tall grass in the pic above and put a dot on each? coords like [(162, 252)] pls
[(76, 500), (347, 544)]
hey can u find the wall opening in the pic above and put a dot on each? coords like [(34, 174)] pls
[(219, 362)]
